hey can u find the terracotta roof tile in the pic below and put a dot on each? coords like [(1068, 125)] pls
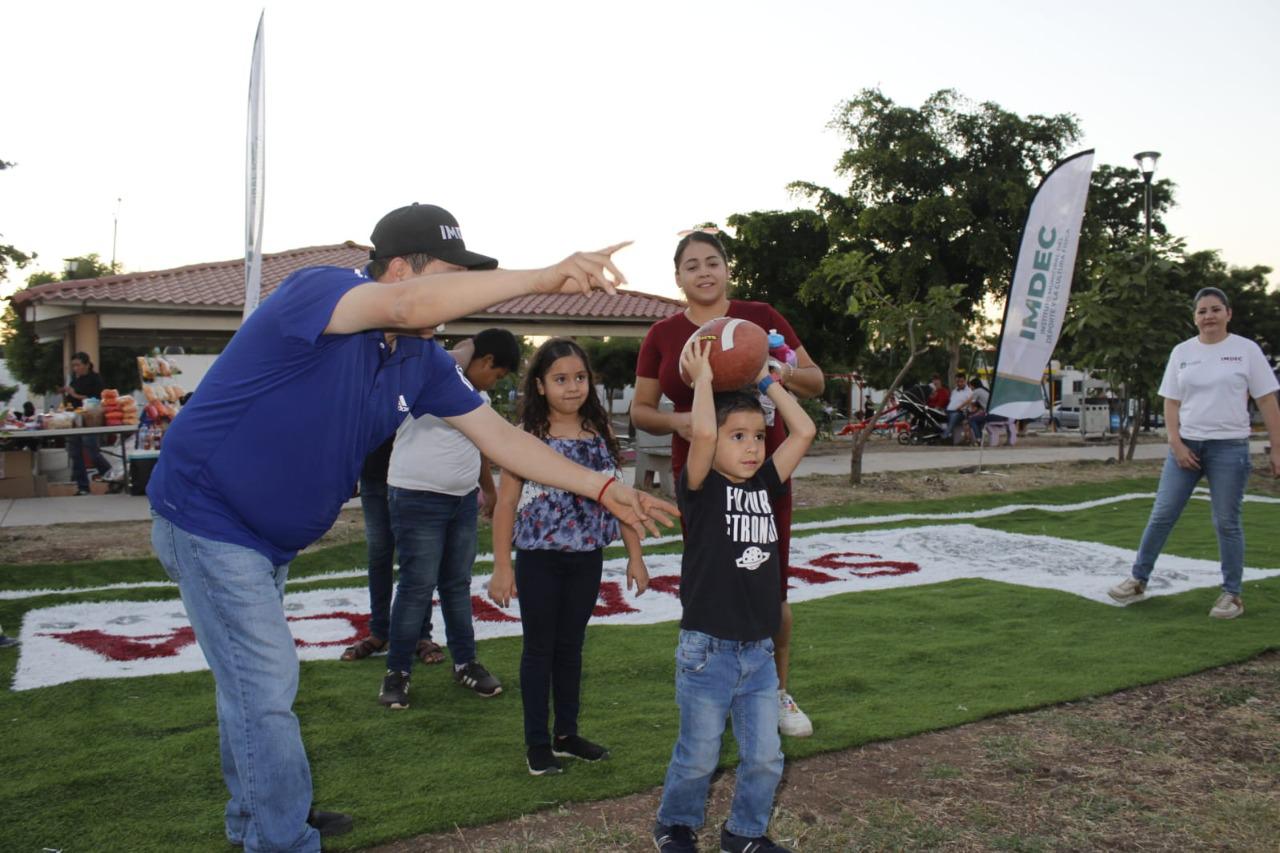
[(221, 285), (209, 284)]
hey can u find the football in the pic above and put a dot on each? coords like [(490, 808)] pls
[(739, 349)]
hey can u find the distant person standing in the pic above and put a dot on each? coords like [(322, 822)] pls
[(83, 449), (1206, 388)]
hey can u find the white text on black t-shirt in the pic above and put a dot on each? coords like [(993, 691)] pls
[(749, 516)]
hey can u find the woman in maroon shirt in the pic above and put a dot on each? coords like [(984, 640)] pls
[(702, 272)]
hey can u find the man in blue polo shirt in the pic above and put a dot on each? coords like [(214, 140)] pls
[(262, 458)]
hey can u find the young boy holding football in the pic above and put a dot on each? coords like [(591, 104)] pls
[(730, 591)]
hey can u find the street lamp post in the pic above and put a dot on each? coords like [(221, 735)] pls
[(1147, 165)]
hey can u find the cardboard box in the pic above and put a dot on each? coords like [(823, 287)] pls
[(42, 486), (97, 487), (16, 465), (62, 490), (18, 487)]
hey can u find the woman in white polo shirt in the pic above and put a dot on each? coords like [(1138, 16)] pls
[(1206, 390)]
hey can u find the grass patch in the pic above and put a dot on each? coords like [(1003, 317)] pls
[(102, 764)]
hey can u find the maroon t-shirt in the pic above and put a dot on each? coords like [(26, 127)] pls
[(660, 359)]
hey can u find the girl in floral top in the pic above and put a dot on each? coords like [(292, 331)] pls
[(559, 539)]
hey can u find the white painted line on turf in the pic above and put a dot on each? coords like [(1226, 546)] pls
[(116, 639), (994, 512)]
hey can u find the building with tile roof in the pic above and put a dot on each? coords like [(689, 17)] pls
[(201, 305)]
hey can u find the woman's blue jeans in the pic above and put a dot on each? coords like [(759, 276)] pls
[(1225, 464), (233, 597), (717, 679)]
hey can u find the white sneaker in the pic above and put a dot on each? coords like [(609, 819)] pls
[(1128, 591), (792, 722), (1228, 606)]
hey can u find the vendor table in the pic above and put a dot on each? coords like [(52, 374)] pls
[(43, 435)]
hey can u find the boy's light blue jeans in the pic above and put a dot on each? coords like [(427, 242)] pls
[(233, 598), (1225, 463), (716, 679)]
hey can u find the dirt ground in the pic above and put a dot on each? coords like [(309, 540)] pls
[(1189, 764)]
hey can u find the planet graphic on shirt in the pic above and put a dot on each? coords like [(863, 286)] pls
[(752, 558)]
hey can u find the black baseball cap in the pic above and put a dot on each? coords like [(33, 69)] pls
[(428, 230)]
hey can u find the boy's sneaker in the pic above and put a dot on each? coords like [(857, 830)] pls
[(730, 843), (395, 690), (479, 679), (674, 839), (329, 824), (1228, 606), (1128, 591), (541, 761), (792, 722), (577, 747)]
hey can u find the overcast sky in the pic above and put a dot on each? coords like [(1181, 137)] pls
[(548, 127)]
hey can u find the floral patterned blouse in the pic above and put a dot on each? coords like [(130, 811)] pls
[(550, 519)]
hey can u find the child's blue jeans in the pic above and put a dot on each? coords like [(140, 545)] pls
[(716, 679)]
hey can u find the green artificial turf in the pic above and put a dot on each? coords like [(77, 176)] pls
[(131, 764)]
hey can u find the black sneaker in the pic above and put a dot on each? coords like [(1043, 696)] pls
[(577, 747), (7, 642), (395, 690), (730, 843), (541, 761), (674, 839), (479, 679), (329, 824)]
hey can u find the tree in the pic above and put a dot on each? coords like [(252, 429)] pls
[(1255, 309), (38, 365), (938, 194), (613, 362), (771, 255), (889, 322), (1131, 311)]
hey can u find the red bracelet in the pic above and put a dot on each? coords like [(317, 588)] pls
[(607, 483)]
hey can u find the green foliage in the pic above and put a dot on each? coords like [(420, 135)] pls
[(1129, 313), (39, 365), (771, 255), (613, 361), (7, 392), (1255, 309), (937, 194)]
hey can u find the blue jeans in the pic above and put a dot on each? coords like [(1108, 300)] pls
[(233, 598), (382, 549), (436, 534), (953, 420), (80, 446), (1225, 463), (716, 679)]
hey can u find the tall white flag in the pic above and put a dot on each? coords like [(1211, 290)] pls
[(1040, 288), (255, 173)]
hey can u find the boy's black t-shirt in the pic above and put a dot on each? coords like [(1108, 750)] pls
[(729, 581)]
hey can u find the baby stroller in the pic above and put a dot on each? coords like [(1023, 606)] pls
[(927, 423)]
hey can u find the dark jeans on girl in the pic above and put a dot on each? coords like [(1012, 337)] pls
[(558, 592)]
